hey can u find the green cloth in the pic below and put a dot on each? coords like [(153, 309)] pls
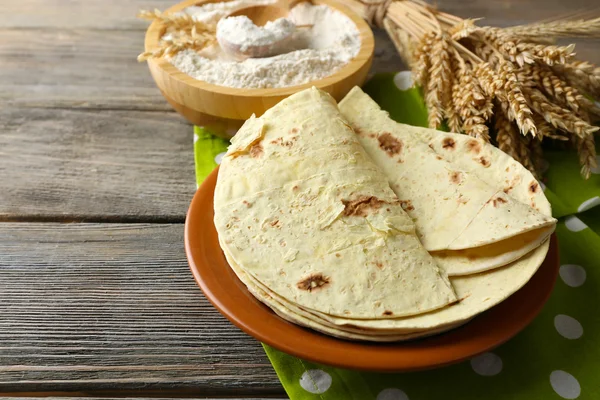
[(557, 356)]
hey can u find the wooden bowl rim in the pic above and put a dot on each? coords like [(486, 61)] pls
[(367, 47)]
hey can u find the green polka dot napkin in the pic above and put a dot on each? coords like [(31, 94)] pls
[(556, 357)]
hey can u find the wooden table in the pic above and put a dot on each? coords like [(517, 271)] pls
[(96, 176)]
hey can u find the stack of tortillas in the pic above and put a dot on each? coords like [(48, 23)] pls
[(344, 221)]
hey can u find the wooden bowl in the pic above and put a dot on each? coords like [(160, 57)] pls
[(224, 109), (229, 295)]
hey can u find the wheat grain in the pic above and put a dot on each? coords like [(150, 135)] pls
[(181, 32), (581, 74), (422, 64), (586, 147), (511, 94), (506, 134), (439, 75), (558, 116), (561, 28), (546, 130)]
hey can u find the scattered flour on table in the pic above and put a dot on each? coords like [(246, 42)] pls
[(311, 53)]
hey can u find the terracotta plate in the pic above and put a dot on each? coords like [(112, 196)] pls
[(222, 287)]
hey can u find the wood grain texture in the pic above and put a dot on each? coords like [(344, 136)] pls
[(117, 14), (76, 69), (94, 165), (90, 69), (106, 307)]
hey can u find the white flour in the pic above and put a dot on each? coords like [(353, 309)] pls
[(312, 53), (242, 32)]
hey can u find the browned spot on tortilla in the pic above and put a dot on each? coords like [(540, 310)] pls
[(294, 130), (473, 146), (448, 143), (484, 161), (507, 189), (507, 169), (378, 264), (497, 201), (338, 255), (387, 312), (295, 187), (275, 223), (466, 297), (533, 187), (438, 158), (406, 205), (430, 146), (387, 209), (455, 177), (389, 144), (313, 282), (361, 206), (372, 135), (247, 204), (462, 200), (256, 150)]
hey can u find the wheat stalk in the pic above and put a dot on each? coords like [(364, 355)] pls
[(556, 29), (440, 73), (558, 116), (182, 32)]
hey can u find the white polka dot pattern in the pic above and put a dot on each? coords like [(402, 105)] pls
[(392, 394), (219, 157), (487, 364), (403, 80), (572, 275), (574, 224), (315, 381), (586, 205), (568, 327), (565, 384)]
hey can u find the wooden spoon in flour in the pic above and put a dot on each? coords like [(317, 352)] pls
[(257, 31)]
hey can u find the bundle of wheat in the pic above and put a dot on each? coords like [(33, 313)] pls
[(512, 79)]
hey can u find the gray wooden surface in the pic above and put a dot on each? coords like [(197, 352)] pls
[(96, 174)]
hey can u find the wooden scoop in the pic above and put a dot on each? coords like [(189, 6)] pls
[(260, 15)]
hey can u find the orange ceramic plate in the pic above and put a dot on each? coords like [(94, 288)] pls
[(222, 287)]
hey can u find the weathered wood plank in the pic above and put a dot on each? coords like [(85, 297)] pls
[(94, 165), (76, 69), (111, 307), (91, 69), (72, 14), (116, 14)]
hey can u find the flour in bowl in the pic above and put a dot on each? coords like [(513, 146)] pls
[(311, 53)]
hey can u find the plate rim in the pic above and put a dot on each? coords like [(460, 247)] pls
[(421, 354)]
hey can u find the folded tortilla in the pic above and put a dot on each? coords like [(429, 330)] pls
[(301, 208), (474, 210), (306, 319), (476, 293)]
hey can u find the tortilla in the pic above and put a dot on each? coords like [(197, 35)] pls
[(463, 214), (477, 293), (301, 208), (307, 320)]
